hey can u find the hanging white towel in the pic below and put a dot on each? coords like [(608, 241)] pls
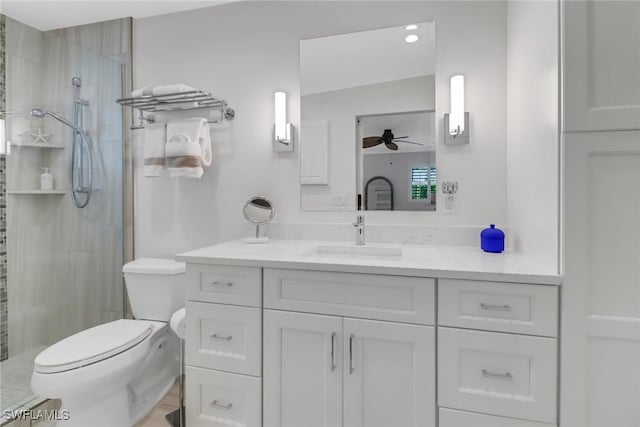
[(155, 138), (184, 150), (205, 143)]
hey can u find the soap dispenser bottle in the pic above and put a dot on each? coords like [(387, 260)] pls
[(46, 180), (492, 239)]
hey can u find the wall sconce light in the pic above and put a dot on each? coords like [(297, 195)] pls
[(456, 123), (283, 131)]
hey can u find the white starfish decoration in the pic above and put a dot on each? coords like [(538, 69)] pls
[(39, 137)]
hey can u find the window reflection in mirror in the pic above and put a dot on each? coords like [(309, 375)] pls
[(368, 110)]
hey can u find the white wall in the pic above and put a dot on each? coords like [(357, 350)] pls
[(245, 51), (532, 128)]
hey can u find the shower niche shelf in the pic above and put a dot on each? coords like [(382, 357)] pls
[(36, 192), (37, 145)]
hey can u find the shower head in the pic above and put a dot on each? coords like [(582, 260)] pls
[(39, 113)]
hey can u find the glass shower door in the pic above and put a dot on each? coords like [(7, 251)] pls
[(64, 264)]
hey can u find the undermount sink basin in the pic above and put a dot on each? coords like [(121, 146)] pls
[(354, 251)]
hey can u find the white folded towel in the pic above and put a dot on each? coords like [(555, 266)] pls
[(162, 90), (188, 147), (155, 138), (140, 92), (168, 89)]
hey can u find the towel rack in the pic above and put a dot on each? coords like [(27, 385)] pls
[(179, 101)]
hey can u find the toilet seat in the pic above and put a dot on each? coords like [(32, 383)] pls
[(92, 345)]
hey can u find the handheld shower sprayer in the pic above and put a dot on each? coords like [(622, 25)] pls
[(81, 173), (40, 114)]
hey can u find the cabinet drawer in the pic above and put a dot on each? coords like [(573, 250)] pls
[(226, 285), (523, 309), (453, 418), (224, 337), (222, 399), (395, 298), (500, 374)]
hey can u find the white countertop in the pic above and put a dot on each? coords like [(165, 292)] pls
[(451, 262)]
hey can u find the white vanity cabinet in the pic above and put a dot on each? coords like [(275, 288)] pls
[(601, 315), (293, 347), (303, 369), (497, 353), (331, 368), (601, 60), (223, 348)]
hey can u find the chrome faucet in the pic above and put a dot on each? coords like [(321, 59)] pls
[(359, 225)]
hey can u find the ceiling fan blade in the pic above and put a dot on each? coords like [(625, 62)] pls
[(371, 141), (400, 137), (391, 146), (408, 142)]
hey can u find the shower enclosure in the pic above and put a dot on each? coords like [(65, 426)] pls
[(64, 247)]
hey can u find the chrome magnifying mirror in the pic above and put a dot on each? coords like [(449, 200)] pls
[(258, 210)]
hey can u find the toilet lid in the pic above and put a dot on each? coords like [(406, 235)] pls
[(92, 345)]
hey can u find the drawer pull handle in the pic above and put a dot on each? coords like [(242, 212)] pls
[(506, 376), (221, 337), (492, 307), (351, 354), (216, 404), (222, 284), (333, 347)]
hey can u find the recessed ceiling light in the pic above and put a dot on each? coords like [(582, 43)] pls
[(411, 38), (411, 27)]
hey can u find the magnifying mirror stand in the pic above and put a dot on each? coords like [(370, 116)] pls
[(257, 238)]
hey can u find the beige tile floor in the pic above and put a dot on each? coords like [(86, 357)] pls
[(170, 403)]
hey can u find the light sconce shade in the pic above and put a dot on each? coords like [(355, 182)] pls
[(456, 123), (283, 131)]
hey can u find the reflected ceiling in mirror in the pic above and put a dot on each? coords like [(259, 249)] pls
[(362, 93)]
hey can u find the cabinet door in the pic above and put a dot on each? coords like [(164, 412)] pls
[(600, 383), (601, 59), (302, 370), (389, 374)]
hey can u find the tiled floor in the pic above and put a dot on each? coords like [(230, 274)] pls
[(15, 381), (170, 403)]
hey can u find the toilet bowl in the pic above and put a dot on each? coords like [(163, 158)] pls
[(112, 375)]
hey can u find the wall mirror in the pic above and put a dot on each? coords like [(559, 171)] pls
[(367, 137)]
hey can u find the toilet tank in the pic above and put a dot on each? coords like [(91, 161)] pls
[(156, 287)]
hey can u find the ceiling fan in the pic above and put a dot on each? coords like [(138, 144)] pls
[(388, 139)]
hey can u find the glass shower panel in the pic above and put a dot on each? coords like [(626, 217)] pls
[(64, 263)]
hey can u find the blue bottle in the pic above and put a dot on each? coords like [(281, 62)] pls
[(492, 239)]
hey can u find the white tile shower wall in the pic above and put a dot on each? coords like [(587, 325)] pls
[(532, 129), (24, 215), (245, 51)]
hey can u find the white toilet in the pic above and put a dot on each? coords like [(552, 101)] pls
[(112, 375)]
